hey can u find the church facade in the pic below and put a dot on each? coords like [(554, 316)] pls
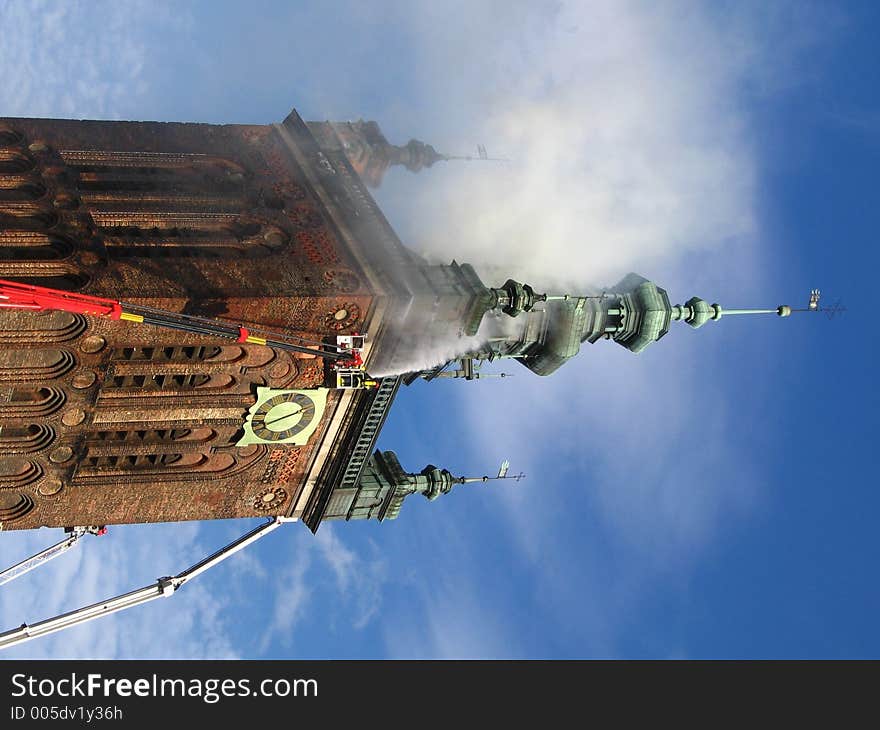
[(270, 226), (107, 422)]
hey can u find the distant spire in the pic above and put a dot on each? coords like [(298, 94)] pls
[(432, 481), (385, 484), (371, 154), (696, 312), (417, 155), (481, 155), (503, 473)]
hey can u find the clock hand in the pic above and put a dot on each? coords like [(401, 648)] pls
[(286, 415)]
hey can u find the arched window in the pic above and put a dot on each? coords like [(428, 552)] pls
[(27, 217), (34, 246), (13, 162), (9, 137), (25, 439), (157, 235), (27, 327), (20, 188), (30, 365), (30, 400), (59, 277), (195, 435)]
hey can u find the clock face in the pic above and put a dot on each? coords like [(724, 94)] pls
[(284, 416)]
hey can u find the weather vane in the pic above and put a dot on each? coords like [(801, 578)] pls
[(502, 474), (813, 306), (481, 155), (505, 467)]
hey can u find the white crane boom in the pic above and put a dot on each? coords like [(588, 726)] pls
[(50, 553), (163, 587)]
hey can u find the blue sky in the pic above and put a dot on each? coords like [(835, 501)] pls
[(713, 497)]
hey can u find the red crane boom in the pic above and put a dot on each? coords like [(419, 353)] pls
[(14, 295)]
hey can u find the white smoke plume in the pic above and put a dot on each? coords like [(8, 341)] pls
[(622, 120), (437, 352)]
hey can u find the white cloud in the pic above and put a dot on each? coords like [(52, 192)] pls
[(291, 595), (192, 623), (359, 578), (452, 630), (453, 623), (80, 59), (303, 591)]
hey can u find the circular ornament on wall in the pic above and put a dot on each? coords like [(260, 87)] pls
[(73, 417), (84, 379), (270, 499), (51, 486), (343, 317), (61, 455), (92, 344)]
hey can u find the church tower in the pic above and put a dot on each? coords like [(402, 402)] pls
[(194, 227)]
